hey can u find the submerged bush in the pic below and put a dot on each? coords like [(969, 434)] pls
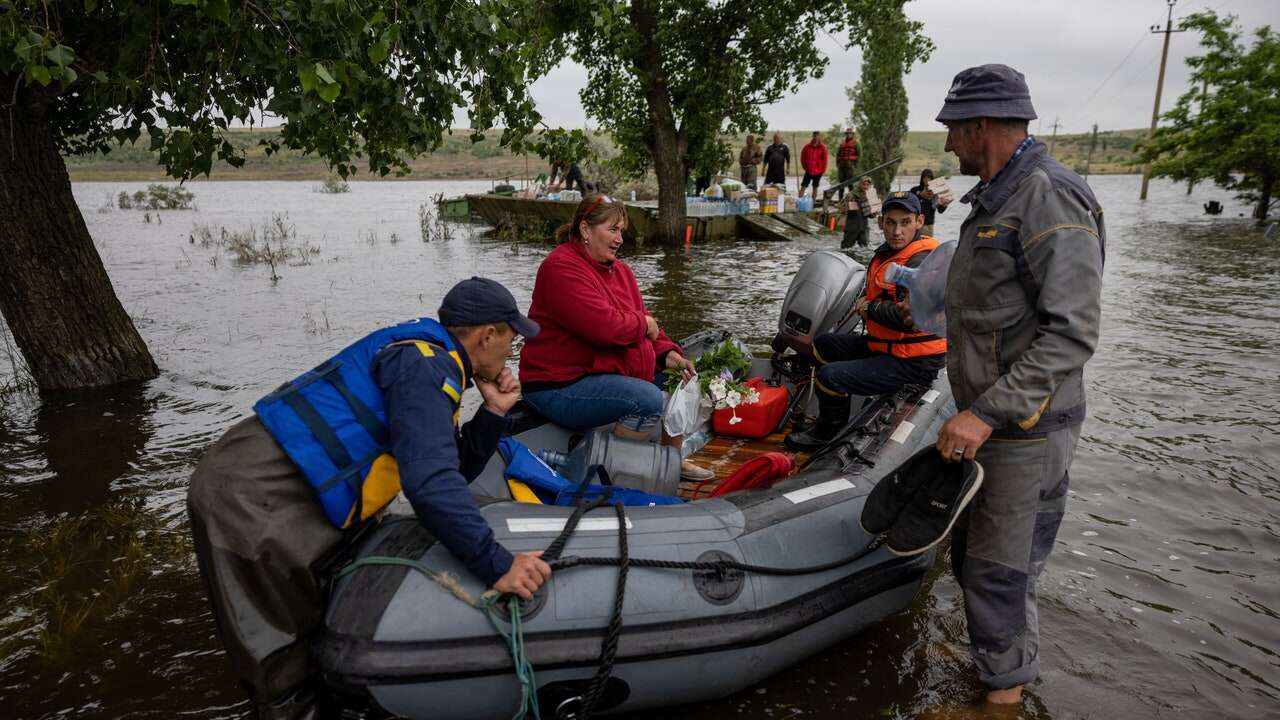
[(275, 244), (431, 224), (333, 185), (157, 197)]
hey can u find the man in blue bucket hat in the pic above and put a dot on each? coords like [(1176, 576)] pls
[(272, 503), (1023, 313)]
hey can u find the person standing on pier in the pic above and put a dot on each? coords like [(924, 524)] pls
[(749, 161), (813, 158), (847, 158), (777, 162)]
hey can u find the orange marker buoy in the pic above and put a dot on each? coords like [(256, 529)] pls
[(688, 234), (831, 225)]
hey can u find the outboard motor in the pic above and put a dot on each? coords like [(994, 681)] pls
[(820, 300)]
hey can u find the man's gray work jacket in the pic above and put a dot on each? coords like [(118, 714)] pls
[(1024, 297)]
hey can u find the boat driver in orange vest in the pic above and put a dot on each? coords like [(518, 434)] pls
[(892, 353)]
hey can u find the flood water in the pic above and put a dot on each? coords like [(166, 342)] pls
[(1162, 597)]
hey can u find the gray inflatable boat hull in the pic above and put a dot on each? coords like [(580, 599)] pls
[(401, 641)]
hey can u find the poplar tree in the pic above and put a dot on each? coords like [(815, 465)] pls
[(891, 43)]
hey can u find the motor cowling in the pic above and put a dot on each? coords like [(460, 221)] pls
[(819, 300)]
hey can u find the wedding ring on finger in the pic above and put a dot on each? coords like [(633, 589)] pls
[(958, 451)]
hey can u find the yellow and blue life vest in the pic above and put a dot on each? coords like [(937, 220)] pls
[(332, 423)]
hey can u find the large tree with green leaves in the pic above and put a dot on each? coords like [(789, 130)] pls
[(668, 77), (372, 83), (891, 44), (1227, 126)]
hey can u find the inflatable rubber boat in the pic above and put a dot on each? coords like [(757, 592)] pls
[(399, 641)]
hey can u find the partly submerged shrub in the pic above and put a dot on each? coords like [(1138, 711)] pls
[(333, 185), (157, 197)]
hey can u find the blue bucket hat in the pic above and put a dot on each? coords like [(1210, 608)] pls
[(905, 200), (994, 91), (480, 301)]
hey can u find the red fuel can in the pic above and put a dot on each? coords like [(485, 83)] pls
[(757, 419)]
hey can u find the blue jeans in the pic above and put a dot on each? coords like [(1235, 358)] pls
[(852, 368), (596, 400)]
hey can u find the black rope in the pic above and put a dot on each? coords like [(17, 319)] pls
[(609, 649), (552, 553)]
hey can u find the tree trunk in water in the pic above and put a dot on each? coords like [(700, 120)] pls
[(1264, 202), (668, 165), (669, 145), (54, 292)]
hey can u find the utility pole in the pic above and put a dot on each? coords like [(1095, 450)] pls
[(1093, 143), (1053, 138), (1155, 111)]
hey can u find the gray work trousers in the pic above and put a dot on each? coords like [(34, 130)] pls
[(260, 538), (999, 547)]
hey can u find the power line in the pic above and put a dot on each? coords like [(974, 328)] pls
[(1144, 36)]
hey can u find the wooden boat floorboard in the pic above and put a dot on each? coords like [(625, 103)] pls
[(725, 455)]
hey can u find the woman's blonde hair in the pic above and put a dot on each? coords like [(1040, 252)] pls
[(595, 209)]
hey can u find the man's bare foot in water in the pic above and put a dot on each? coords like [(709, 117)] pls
[(1007, 696), (987, 708)]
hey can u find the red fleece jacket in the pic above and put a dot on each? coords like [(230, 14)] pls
[(592, 321), (814, 159)]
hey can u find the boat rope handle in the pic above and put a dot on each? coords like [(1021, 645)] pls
[(490, 604)]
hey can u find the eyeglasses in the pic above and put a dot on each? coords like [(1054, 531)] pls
[(597, 203)]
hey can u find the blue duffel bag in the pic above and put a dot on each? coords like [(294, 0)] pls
[(552, 489)]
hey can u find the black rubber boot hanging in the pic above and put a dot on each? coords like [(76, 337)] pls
[(833, 415)]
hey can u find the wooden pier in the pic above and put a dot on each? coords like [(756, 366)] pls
[(642, 220)]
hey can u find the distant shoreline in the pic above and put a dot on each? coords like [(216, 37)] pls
[(458, 158), (94, 176)]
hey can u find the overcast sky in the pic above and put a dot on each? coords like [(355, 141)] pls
[(1086, 61)]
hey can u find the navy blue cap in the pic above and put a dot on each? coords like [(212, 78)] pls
[(994, 91), (905, 200), (480, 301)]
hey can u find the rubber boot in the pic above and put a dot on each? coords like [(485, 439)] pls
[(833, 415)]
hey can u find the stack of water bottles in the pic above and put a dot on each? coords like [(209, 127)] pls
[(696, 206)]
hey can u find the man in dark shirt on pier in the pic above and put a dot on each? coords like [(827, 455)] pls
[(777, 162)]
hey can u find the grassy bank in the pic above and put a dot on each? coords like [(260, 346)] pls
[(459, 158)]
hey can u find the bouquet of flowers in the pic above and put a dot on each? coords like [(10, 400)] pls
[(717, 377)]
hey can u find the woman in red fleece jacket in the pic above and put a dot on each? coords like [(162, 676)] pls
[(599, 356)]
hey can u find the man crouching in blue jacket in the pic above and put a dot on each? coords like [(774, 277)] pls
[(265, 521)]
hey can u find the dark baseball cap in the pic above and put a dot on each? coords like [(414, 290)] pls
[(994, 91), (905, 200), (479, 301)]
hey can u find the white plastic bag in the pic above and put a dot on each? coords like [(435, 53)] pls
[(682, 414), (927, 288)]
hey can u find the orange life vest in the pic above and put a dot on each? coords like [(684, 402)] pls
[(887, 340)]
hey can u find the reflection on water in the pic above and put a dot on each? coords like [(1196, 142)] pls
[(89, 440), (1162, 598)]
